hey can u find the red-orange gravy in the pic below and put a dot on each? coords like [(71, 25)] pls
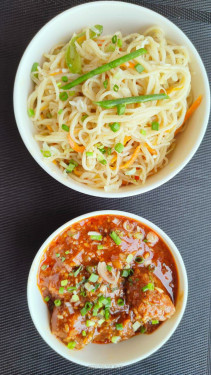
[(106, 279)]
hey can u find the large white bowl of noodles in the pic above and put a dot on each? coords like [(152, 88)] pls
[(190, 82)]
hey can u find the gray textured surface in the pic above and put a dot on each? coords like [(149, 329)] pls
[(33, 205)]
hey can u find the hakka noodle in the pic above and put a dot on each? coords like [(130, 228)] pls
[(116, 125)]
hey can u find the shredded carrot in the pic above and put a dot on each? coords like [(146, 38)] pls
[(190, 111), (74, 145), (127, 139), (114, 159), (81, 39), (124, 183), (77, 173), (49, 128), (128, 64), (175, 88), (100, 42), (55, 162), (56, 73), (132, 159), (150, 149)]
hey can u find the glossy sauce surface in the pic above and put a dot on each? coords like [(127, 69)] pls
[(134, 287)]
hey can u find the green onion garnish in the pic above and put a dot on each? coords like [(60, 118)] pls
[(46, 153), (114, 39), (155, 321), (83, 333), (95, 31), (139, 260), (119, 43), (89, 154), (64, 282), (104, 162), (100, 247), (107, 314), (63, 96), (125, 273), (93, 278), (143, 329), (108, 150), (67, 252), (129, 258), (120, 302), (83, 117), (47, 299), (44, 267), (131, 100), (105, 84), (59, 84), (61, 290), (119, 147), (121, 109), (65, 127), (116, 88), (34, 69), (109, 268), (71, 93), (74, 298), (31, 112), (145, 240), (60, 111), (155, 125), (115, 127), (105, 68), (119, 326), (64, 78), (71, 288), (63, 259), (77, 271), (115, 237), (115, 339), (149, 286), (90, 323), (57, 302), (57, 255), (96, 237), (100, 322), (71, 345), (71, 166), (139, 68), (143, 132)]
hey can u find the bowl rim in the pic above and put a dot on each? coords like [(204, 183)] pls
[(70, 183), (34, 271)]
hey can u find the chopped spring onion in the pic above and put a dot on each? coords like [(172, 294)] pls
[(131, 100), (143, 329), (126, 272), (89, 154), (34, 69), (108, 150), (46, 153), (103, 161), (130, 172), (115, 127), (145, 240), (77, 271), (64, 78), (63, 259), (143, 132), (93, 278), (139, 68), (44, 267), (96, 237), (72, 57), (119, 326), (90, 323), (109, 268), (61, 290), (71, 288), (60, 111), (31, 112), (115, 238), (119, 43), (57, 255), (59, 84), (71, 166), (121, 109), (100, 247), (110, 48), (64, 282), (86, 308), (155, 321), (129, 258), (103, 300), (115, 339), (119, 147), (100, 322), (120, 302), (105, 68), (95, 31), (67, 252), (136, 326), (57, 302), (83, 333), (155, 125), (139, 260), (107, 314), (84, 117), (105, 84), (65, 127), (149, 286), (116, 88), (63, 96), (71, 93), (74, 298), (114, 39), (47, 299), (71, 345)]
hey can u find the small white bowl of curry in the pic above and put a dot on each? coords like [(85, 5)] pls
[(107, 289)]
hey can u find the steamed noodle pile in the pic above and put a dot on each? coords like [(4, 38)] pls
[(145, 150)]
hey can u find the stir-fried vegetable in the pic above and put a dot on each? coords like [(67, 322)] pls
[(131, 100), (105, 68)]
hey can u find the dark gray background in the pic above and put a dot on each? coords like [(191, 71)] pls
[(33, 205)]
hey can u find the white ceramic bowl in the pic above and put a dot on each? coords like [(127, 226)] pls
[(107, 356), (113, 16)]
